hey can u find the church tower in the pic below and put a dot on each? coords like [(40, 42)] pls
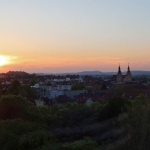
[(119, 75), (128, 72), (128, 77)]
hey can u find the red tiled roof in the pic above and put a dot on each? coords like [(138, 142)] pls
[(81, 100)]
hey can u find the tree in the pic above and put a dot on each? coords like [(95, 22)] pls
[(33, 81), (78, 86), (138, 123), (28, 91), (12, 107), (96, 106), (16, 134), (15, 87), (1, 87), (114, 107)]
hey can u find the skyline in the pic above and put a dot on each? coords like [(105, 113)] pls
[(57, 36)]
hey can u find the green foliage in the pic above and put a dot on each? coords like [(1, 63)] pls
[(15, 87), (33, 80), (28, 91), (139, 121), (24, 90), (84, 144), (120, 90), (51, 146), (96, 106), (23, 93), (33, 130), (12, 107), (114, 107), (13, 135), (78, 86), (33, 139), (71, 105)]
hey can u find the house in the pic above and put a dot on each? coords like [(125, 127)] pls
[(89, 102), (54, 94), (36, 86), (47, 101), (79, 80), (81, 100), (31, 100), (3, 75), (104, 97), (62, 86), (85, 100), (73, 94), (62, 99), (39, 102)]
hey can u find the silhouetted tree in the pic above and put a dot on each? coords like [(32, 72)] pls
[(12, 107), (15, 87)]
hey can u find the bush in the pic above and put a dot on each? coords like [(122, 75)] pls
[(138, 122), (114, 107), (11, 131), (84, 144)]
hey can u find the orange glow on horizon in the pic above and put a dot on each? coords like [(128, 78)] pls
[(60, 64)]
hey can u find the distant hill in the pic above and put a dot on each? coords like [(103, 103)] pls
[(134, 73), (82, 73), (90, 73), (74, 73), (139, 73), (21, 73)]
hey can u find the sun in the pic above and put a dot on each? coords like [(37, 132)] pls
[(4, 60)]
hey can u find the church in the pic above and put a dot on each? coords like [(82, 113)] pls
[(120, 78)]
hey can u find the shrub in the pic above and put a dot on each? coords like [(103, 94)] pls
[(84, 144), (114, 107)]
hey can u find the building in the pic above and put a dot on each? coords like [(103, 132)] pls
[(120, 78), (64, 86), (39, 102), (128, 76)]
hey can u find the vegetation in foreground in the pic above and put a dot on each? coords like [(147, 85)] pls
[(74, 127)]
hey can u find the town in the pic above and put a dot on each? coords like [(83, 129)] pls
[(73, 111), (74, 75), (47, 90)]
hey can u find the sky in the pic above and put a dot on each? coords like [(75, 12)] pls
[(57, 36)]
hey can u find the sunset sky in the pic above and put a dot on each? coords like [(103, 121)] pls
[(55, 36)]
